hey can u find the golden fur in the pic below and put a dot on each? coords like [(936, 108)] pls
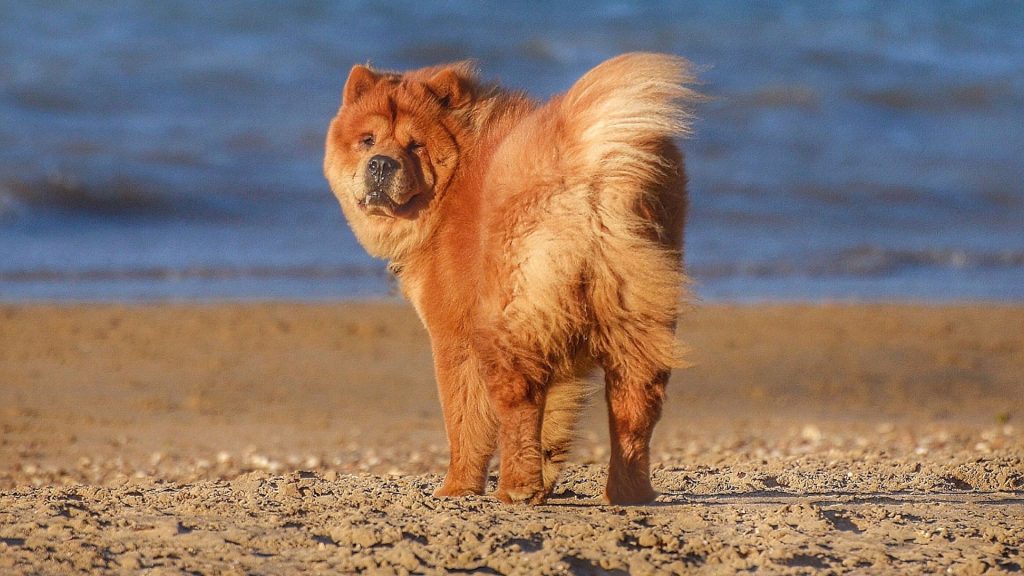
[(534, 241)]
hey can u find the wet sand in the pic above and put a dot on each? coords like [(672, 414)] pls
[(270, 438)]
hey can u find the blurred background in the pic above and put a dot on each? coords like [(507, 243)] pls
[(172, 149)]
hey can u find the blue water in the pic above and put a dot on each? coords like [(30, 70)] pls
[(171, 150)]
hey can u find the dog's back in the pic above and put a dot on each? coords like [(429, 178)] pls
[(584, 205)]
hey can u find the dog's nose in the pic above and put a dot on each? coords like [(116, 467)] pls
[(381, 167)]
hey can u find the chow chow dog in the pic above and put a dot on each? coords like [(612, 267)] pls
[(536, 241)]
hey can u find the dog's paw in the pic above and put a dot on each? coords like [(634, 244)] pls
[(457, 490), (531, 495), (630, 495)]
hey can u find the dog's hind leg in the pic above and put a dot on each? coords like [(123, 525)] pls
[(636, 301), (634, 399), (519, 379), (519, 406)]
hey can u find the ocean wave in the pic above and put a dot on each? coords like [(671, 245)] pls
[(864, 261), (170, 273), (113, 198), (942, 98), (777, 96), (873, 260)]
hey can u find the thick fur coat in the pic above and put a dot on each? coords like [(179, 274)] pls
[(535, 241)]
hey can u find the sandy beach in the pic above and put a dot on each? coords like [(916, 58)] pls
[(273, 438)]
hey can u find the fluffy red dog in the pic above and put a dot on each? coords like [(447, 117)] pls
[(535, 241)]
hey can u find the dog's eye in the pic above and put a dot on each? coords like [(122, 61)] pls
[(367, 140), (415, 146)]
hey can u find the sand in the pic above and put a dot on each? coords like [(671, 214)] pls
[(278, 438)]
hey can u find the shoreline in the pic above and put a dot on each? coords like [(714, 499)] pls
[(238, 366), (397, 300)]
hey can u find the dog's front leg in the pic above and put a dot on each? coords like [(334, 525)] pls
[(469, 422)]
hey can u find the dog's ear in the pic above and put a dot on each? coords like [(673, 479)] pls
[(453, 85), (360, 79)]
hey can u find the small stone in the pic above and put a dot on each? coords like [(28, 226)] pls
[(289, 490), (648, 539)]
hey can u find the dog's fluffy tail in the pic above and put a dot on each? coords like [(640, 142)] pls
[(620, 121), (620, 108)]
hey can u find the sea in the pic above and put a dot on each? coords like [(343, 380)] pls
[(171, 150)]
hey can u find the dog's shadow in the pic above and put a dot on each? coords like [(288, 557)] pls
[(569, 497)]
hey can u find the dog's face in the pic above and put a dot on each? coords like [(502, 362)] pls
[(393, 149)]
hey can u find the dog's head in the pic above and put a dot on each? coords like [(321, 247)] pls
[(394, 148)]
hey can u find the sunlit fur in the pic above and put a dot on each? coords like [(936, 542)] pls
[(535, 241)]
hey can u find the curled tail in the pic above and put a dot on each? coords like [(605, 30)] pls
[(617, 112), (620, 121)]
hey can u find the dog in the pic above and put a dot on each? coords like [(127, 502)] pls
[(536, 242)]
